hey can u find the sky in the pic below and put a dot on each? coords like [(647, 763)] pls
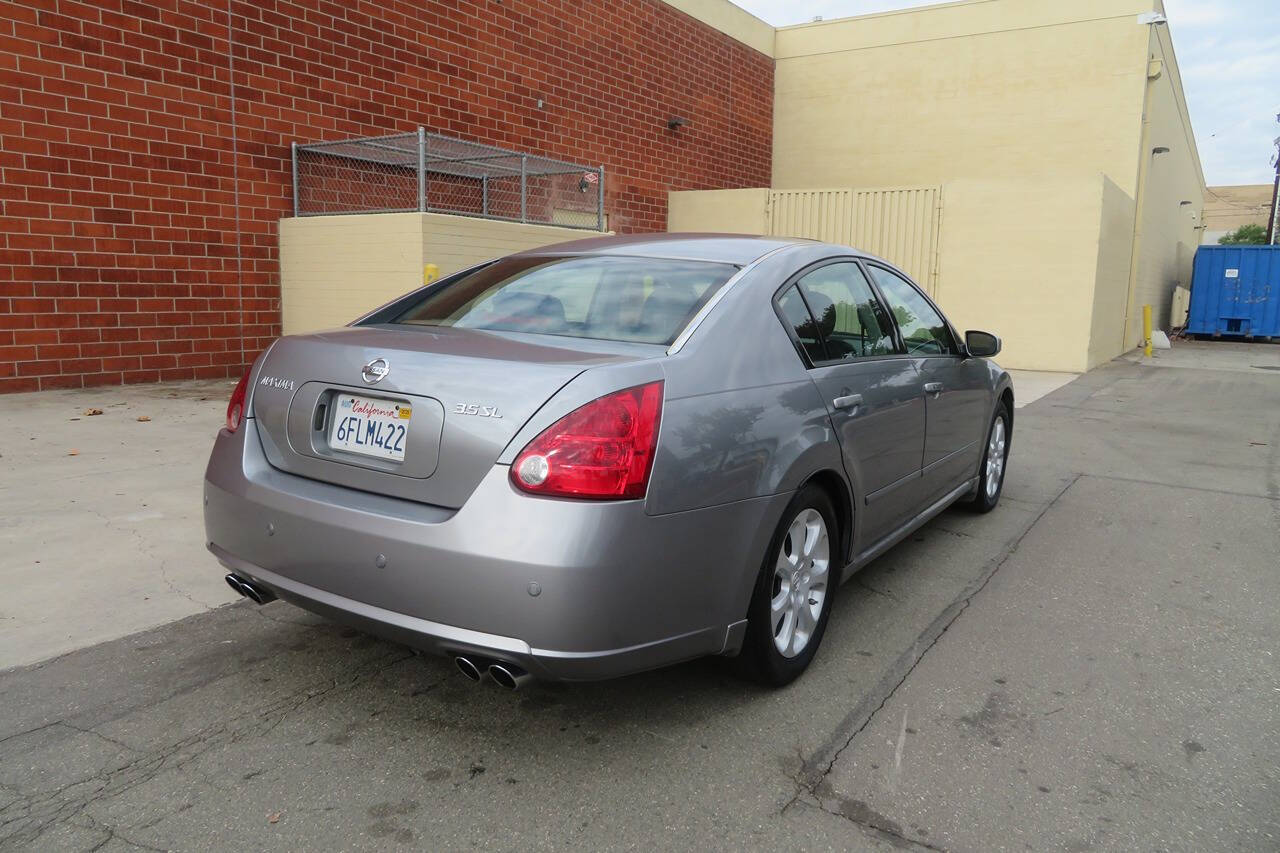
[(1228, 53)]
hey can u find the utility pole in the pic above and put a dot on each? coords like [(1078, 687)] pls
[(1273, 221)]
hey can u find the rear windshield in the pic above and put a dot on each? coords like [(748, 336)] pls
[(647, 300)]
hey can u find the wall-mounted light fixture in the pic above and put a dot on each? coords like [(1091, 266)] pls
[(1183, 203), (676, 121), (1160, 150)]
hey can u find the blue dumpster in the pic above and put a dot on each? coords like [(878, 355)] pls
[(1235, 292)]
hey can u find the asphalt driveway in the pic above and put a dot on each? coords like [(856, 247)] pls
[(1093, 665)]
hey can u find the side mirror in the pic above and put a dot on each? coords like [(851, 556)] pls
[(981, 344)]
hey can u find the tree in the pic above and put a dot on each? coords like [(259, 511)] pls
[(1245, 235)]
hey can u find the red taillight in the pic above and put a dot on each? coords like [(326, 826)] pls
[(601, 451), (235, 409)]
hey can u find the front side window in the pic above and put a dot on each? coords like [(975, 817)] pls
[(645, 300), (923, 329), (852, 321)]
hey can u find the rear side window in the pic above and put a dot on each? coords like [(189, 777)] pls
[(646, 300), (797, 316), (852, 321)]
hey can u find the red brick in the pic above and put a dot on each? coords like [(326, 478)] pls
[(120, 109), (17, 386), (37, 368), (66, 380), (59, 351)]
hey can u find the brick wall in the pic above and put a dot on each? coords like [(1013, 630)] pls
[(144, 147)]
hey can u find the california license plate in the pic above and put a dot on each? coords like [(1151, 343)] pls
[(370, 426)]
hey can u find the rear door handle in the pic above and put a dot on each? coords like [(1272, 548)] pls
[(848, 401), (934, 388)]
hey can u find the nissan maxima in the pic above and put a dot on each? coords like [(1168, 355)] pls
[(608, 455)]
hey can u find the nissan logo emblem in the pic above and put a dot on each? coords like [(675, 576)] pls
[(375, 370)]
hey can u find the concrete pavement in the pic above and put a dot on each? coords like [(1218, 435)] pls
[(1149, 722), (1129, 568), (101, 532)]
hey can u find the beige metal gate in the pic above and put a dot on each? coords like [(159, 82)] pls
[(900, 224)]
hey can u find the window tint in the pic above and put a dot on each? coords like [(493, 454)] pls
[(923, 329), (798, 318), (851, 320), (647, 300)]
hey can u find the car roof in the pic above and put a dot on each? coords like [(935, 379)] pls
[(739, 249)]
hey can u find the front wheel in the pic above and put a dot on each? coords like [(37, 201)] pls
[(994, 459), (792, 599)]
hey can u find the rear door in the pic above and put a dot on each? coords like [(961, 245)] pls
[(956, 388), (871, 388)]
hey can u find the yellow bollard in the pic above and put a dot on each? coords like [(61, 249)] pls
[(1146, 330), (430, 273)]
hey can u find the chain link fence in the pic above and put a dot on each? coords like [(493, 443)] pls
[(430, 173)]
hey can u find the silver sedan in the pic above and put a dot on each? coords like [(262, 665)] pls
[(609, 455)]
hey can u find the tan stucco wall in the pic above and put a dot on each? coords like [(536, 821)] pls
[(1027, 279), (726, 211), (1010, 101), (1111, 278), (1169, 230), (999, 89), (334, 269)]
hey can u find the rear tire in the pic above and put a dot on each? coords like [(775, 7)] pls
[(792, 598), (991, 476)]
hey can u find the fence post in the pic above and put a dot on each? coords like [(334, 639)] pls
[(600, 199), (293, 149), (484, 195), (524, 203), (422, 170)]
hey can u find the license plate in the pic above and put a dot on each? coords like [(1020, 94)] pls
[(370, 426)]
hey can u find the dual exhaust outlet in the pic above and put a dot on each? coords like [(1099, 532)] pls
[(249, 589), (507, 675)]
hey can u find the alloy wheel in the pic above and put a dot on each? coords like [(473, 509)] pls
[(800, 579), (995, 457)]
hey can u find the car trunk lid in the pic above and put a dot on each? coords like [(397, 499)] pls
[(459, 394)]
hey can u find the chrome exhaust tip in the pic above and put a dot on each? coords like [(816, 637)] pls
[(509, 676), (467, 668), (251, 591), (234, 583)]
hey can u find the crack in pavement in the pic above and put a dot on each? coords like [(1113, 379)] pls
[(27, 818), (811, 778), (144, 547), (860, 583), (112, 834), (7, 738), (100, 735), (881, 831)]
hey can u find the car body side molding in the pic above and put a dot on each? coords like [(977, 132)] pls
[(907, 529)]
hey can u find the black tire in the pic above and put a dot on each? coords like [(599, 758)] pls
[(761, 660), (985, 500)]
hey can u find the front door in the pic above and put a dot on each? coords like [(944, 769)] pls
[(872, 391), (956, 388)]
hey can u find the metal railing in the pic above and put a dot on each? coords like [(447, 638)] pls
[(430, 173)]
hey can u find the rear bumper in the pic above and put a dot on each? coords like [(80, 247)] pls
[(618, 591)]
